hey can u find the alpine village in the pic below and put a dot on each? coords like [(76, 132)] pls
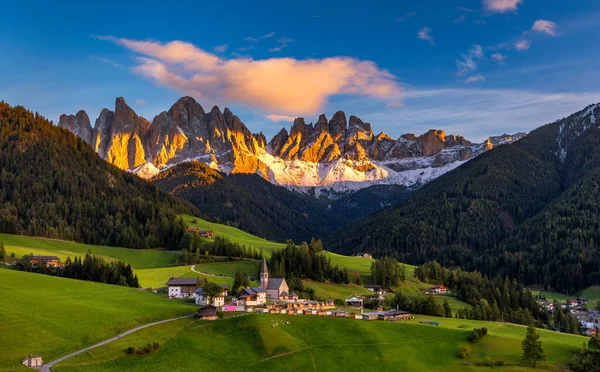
[(314, 186)]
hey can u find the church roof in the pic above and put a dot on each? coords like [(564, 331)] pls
[(275, 283)]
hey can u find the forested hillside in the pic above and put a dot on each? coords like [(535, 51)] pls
[(53, 184), (528, 210), (249, 202)]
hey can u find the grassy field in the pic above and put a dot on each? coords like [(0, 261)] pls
[(325, 291), (138, 258), (229, 268), (235, 235), (252, 343), (592, 294), (157, 278), (53, 316)]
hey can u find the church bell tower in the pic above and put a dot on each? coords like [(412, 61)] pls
[(264, 275)]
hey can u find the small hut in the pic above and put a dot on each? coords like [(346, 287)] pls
[(208, 312), (354, 301), (32, 361)]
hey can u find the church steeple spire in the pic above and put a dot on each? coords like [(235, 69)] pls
[(264, 275)]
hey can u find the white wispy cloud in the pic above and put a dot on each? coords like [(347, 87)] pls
[(106, 61), (460, 18), (221, 48), (465, 9), (278, 118), (501, 6), (140, 102), (545, 27), (282, 86), (522, 45), (255, 39), (406, 16), (473, 112), (425, 34), (468, 62), (281, 43), (497, 57), (475, 79)]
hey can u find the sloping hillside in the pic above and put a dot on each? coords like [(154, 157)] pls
[(53, 184), (528, 210)]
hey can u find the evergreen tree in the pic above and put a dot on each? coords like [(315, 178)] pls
[(532, 347), (447, 309), (2, 251)]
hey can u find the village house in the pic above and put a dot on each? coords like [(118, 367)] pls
[(253, 296), (375, 288), (181, 287), (364, 255), (209, 234), (438, 289), (354, 301), (274, 287), (50, 261), (208, 312), (202, 299), (32, 361)]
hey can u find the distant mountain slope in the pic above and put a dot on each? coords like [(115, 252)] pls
[(340, 154), (249, 202), (528, 210), (52, 184)]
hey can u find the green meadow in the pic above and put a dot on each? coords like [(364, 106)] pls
[(252, 343), (138, 258), (235, 235), (157, 278), (53, 316)]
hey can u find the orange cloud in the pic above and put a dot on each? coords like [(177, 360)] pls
[(282, 85)]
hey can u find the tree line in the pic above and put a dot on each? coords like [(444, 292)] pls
[(491, 299), (220, 249), (92, 268), (306, 261)]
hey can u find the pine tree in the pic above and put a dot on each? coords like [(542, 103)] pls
[(2, 252), (447, 309), (532, 347)]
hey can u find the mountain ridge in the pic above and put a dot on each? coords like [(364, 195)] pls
[(339, 153)]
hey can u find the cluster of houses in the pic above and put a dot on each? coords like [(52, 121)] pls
[(209, 234), (273, 297), (588, 319)]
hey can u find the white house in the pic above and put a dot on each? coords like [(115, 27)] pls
[(182, 287), (202, 299)]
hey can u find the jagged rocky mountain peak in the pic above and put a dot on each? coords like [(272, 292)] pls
[(341, 152)]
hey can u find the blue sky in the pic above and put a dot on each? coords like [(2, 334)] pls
[(473, 67)]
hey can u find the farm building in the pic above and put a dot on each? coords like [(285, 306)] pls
[(339, 313), (208, 312), (32, 361), (364, 255), (209, 234), (50, 261), (438, 289), (354, 301), (253, 296), (181, 287)]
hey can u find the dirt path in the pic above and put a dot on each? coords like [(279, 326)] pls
[(193, 268), (47, 367)]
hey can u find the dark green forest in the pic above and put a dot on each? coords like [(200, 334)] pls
[(253, 204), (54, 185), (528, 210)]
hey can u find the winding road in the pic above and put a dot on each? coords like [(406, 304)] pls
[(47, 367), (193, 268)]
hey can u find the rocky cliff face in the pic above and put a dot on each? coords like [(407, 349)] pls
[(339, 153)]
